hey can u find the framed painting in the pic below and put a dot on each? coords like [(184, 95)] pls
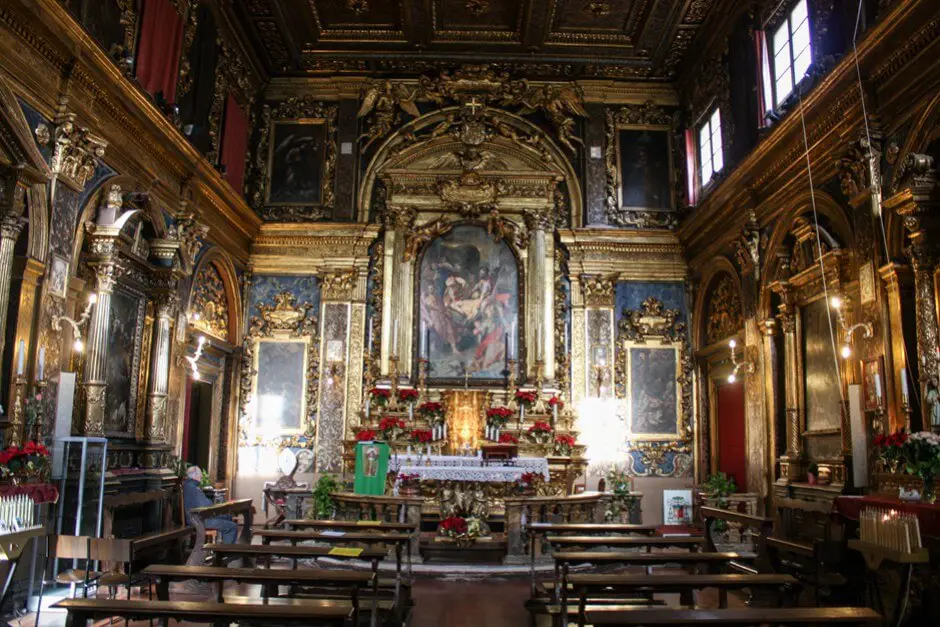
[(644, 168), (279, 389), (873, 380), (122, 370), (469, 297), (821, 382), (653, 391), (58, 276), (296, 162)]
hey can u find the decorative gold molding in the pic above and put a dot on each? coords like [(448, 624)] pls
[(339, 286), (76, 152), (599, 291)]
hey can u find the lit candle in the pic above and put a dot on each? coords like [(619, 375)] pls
[(42, 363), (21, 359)]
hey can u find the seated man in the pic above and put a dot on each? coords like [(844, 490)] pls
[(193, 497)]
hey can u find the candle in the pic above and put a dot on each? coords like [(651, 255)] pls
[(878, 386), (371, 333), (538, 341), (21, 359), (513, 338), (422, 349), (42, 363), (427, 343), (904, 396), (395, 339)]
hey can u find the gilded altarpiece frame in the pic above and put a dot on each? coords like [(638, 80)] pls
[(124, 359), (281, 321), (658, 334)]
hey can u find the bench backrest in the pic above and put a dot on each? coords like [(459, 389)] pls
[(114, 502)]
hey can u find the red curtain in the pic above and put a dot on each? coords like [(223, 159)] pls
[(158, 54), (234, 143), (691, 163), (731, 451)]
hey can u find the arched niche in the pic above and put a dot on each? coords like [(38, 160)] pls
[(214, 302), (719, 308), (524, 166), (467, 281), (922, 138)]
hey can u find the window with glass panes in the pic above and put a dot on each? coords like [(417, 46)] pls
[(790, 54), (710, 159)]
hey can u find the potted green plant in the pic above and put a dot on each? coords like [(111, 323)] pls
[(717, 488), (323, 504)]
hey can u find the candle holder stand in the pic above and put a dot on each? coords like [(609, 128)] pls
[(37, 428), (539, 407), (19, 409), (423, 380), (393, 374), (511, 383)]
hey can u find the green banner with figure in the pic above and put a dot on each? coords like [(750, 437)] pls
[(371, 467)]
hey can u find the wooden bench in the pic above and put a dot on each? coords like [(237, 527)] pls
[(684, 584), (323, 614), (269, 579), (693, 543), (761, 526), (630, 616), (199, 515), (351, 525), (170, 538)]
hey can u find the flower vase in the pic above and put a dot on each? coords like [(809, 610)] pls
[(928, 493)]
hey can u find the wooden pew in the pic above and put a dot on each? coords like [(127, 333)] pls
[(786, 616), (171, 537), (762, 527), (269, 579), (350, 525), (199, 515), (267, 551), (536, 532), (324, 613), (684, 584), (686, 542)]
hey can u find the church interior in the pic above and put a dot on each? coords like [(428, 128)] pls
[(469, 312)]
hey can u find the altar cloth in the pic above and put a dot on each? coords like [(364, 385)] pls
[(487, 474)]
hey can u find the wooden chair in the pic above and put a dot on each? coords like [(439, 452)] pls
[(73, 548)]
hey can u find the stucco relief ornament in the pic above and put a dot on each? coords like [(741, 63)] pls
[(470, 194), (190, 232), (382, 100), (77, 152), (652, 319), (285, 314)]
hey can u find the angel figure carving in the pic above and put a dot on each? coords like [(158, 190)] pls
[(384, 99), (560, 104)]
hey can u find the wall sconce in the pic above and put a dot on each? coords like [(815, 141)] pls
[(738, 365), (195, 358), (76, 325), (846, 351)]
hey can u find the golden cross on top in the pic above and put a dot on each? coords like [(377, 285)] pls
[(473, 104)]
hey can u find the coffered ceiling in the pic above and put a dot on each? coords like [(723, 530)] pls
[(631, 39)]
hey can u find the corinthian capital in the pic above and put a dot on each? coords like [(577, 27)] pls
[(190, 233), (11, 226), (538, 219), (76, 151)]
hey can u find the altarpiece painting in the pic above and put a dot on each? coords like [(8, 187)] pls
[(645, 168), (125, 333), (822, 385), (297, 153), (651, 394), (468, 289), (280, 386)]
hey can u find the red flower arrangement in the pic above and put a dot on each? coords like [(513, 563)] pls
[(891, 447), (508, 438), (409, 477), (553, 401), (407, 395), (390, 427), (431, 411), (31, 460), (564, 444), (540, 432), (454, 526), (380, 396), (526, 398), (498, 416), (527, 478), (365, 435), (421, 436)]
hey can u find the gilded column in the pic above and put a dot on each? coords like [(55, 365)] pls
[(769, 363), (897, 279), (540, 315), (103, 239), (398, 306), (160, 367), (789, 324), (578, 343), (10, 228), (924, 264)]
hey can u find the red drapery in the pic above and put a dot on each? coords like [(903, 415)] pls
[(158, 54), (731, 448), (234, 144)]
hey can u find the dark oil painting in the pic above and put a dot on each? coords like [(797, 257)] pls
[(819, 367), (297, 152), (124, 331), (653, 408), (469, 303), (645, 174)]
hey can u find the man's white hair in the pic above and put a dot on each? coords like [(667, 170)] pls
[(194, 473)]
